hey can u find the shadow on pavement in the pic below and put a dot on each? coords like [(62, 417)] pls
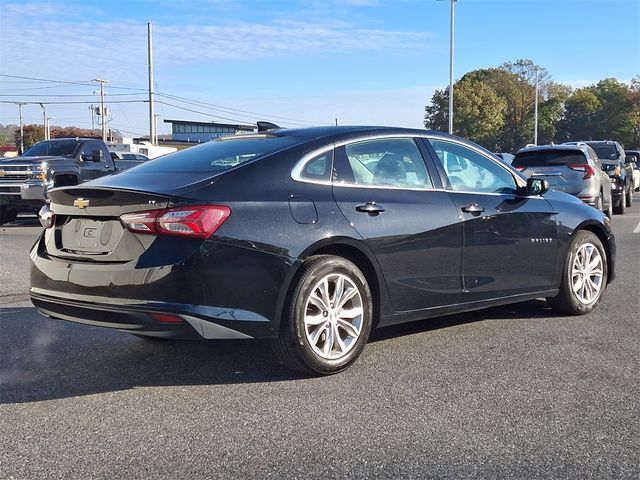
[(43, 359)]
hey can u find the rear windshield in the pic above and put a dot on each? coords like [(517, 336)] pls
[(605, 151), (549, 158), (217, 156), (57, 148)]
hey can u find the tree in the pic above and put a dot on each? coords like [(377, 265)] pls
[(634, 95), (32, 134), (579, 115), (614, 120), (69, 132)]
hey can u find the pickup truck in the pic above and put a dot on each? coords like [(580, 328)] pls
[(25, 180)]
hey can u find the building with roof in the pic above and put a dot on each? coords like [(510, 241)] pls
[(199, 132)]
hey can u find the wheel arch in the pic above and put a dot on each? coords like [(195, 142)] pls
[(603, 236), (350, 249)]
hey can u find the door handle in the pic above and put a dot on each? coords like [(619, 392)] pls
[(473, 208), (371, 208)]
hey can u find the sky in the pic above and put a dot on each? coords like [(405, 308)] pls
[(291, 62)]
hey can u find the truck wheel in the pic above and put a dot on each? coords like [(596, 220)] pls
[(329, 317), (584, 276), (7, 215)]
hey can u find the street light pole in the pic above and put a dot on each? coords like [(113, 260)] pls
[(535, 115), (44, 118), (49, 128), (451, 37), (21, 129), (152, 129)]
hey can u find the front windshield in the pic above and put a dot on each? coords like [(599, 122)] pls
[(53, 148)]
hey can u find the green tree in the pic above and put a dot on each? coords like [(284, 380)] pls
[(32, 134), (579, 115), (478, 112), (614, 120), (634, 94)]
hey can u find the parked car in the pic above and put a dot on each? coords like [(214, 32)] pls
[(505, 157), (573, 169), (118, 155), (25, 180), (611, 154), (633, 157), (313, 237)]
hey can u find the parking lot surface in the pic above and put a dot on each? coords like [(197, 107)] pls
[(511, 392)]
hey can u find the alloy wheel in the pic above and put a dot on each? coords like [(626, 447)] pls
[(587, 273), (333, 316)]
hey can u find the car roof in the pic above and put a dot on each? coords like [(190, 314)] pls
[(567, 147)]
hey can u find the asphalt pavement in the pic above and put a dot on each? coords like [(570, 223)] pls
[(513, 392)]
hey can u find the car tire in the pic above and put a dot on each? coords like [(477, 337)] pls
[(629, 197), (7, 215), (321, 339), (584, 276)]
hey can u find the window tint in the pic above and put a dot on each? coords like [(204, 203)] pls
[(216, 156), (471, 171), (319, 167), (89, 147), (59, 148), (549, 158), (605, 151), (387, 162)]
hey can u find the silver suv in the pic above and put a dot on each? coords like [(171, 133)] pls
[(573, 169)]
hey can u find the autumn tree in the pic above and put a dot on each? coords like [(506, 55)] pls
[(32, 134)]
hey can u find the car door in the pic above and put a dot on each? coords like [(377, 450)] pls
[(91, 169), (510, 241), (384, 189)]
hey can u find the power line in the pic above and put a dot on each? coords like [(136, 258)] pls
[(88, 82), (68, 95), (73, 102)]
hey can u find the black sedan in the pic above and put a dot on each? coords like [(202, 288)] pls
[(311, 238)]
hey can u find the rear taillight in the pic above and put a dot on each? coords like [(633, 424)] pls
[(47, 217), (194, 221), (520, 168), (587, 169)]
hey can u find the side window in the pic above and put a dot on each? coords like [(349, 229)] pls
[(470, 171), (318, 168), (389, 162), (89, 147)]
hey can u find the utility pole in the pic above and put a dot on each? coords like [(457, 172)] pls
[(21, 128), (49, 128), (535, 115), (102, 112), (152, 129), (44, 118), (93, 123), (451, 32)]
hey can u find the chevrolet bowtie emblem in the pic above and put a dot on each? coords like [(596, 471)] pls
[(81, 203), (2, 173)]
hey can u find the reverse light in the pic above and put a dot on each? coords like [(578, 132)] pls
[(587, 169), (199, 221)]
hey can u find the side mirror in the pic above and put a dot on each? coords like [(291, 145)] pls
[(96, 155), (537, 186)]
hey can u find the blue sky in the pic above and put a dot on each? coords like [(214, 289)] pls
[(295, 62)]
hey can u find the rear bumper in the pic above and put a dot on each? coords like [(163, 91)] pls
[(216, 290), (157, 320)]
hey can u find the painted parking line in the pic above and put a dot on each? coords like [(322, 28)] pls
[(637, 229)]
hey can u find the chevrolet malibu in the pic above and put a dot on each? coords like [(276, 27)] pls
[(311, 238)]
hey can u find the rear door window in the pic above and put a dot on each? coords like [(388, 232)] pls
[(388, 162)]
